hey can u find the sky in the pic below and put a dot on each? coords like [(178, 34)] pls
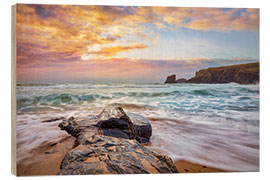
[(97, 44)]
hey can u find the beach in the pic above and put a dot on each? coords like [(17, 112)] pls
[(202, 127), (46, 160)]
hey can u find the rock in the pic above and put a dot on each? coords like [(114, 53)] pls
[(181, 80), (114, 122), (171, 79), (50, 152), (53, 120), (109, 144), (71, 126), (242, 74), (125, 125), (101, 154)]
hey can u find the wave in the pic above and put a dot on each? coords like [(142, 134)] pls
[(89, 86), (55, 99), (58, 99), (155, 94), (247, 90), (35, 84), (203, 92), (132, 106)]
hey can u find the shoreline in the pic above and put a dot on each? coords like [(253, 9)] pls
[(47, 161)]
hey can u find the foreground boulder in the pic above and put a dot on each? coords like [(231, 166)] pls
[(109, 143), (115, 122), (101, 154)]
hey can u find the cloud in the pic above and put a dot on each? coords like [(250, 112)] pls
[(159, 25), (217, 19), (46, 29), (54, 36), (109, 51)]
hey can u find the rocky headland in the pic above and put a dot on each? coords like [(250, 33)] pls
[(110, 143), (241, 74)]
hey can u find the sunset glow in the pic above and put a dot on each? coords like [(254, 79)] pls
[(64, 43)]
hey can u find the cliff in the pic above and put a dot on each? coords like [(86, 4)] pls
[(242, 74)]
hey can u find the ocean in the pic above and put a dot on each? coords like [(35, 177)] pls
[(211, 124)]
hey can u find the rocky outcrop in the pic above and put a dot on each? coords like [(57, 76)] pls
[(101, 154), (171, 79), (242, 74), (109, 143)]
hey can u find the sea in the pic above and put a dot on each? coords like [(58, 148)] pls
[(210, 124)]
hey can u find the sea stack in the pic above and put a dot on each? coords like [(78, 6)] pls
[(171, 79)]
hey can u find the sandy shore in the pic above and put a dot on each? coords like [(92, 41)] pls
[(46, 161), (189, 167)]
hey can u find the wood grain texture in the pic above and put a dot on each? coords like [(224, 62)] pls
[(13, 90)]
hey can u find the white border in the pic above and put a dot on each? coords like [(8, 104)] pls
[(264, 92)]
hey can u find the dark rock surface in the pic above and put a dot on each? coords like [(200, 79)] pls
[(171, 79), (125, 125), (71, 126), (114, 122), (101, 154), (109, 144), (53, 120), (181, 80)]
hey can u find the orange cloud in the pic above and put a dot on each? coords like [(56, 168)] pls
[(116, 49), (45, 30), (109, 52)]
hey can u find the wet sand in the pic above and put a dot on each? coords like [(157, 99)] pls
[(189, 167), (46, 160)]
